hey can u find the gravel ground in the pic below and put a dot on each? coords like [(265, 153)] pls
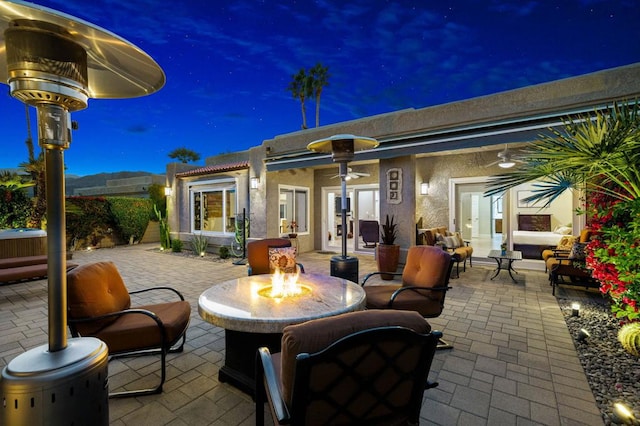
[(613, 373)]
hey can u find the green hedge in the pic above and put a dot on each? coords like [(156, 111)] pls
[(131, 215), (15, 208), (89, 219)]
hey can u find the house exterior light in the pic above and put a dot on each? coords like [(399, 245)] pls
[(255, 182)]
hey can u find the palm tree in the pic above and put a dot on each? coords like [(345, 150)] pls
[(597, 153), (319, 80), (36, 169), (300, 88)]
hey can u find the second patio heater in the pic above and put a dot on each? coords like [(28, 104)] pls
[(56, 62), (342, 149)]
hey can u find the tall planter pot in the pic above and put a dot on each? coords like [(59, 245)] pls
[(388, 257)]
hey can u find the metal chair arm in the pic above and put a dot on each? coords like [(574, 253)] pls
[(271, 385), (414, 288), (159, 288), (371, 274)]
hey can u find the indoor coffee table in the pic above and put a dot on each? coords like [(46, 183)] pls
[(252, 319), (509, 256)]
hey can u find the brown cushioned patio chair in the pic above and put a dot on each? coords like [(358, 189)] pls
[(425, 281), (99, 305), (359, 368), (554, 256), (258, 255), (370, 232)]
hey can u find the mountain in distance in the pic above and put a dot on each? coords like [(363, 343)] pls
[(73, 181)]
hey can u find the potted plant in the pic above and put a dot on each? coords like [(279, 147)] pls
[(388, 252), (294, 229)]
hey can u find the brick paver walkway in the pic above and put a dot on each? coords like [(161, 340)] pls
[(513, 361)]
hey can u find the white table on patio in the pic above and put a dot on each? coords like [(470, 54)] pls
[(252, 320)]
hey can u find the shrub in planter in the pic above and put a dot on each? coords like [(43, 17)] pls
[(176, 246), (388, 253), (199, 244)]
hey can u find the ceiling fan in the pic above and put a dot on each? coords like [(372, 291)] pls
[(506, 159), (352, 175)]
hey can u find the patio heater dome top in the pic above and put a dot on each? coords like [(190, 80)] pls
[(343, 146), (114, 67)]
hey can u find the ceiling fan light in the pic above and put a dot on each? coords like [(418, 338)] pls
[(506, 164)]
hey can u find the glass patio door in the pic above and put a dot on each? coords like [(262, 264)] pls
[(363, 202), (474, 215)]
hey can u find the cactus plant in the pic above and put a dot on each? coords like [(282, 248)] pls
[(629, 337)]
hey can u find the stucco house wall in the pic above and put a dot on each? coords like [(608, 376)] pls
[(432, 144)]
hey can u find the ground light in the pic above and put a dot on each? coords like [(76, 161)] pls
[(342, 149), (575, 309), (623, 415), (582, 335), (55, 63)]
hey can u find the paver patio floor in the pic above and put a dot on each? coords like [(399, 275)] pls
[(513, 360)]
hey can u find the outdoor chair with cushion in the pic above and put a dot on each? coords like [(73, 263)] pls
[(562, 250), (367, 367), (99, 305), (452, 242), (571, 270), (264, 256), (370, 232), (425, 281)]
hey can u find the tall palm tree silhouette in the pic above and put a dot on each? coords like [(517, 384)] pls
[(319, 75)]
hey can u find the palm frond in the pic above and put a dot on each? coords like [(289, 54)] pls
[(603, 147)]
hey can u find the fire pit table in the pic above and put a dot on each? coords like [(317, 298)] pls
[(252, 319)]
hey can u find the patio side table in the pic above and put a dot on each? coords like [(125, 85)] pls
[(508, 257)]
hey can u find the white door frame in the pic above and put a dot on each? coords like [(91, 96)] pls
[(325, 190), (453, 183)]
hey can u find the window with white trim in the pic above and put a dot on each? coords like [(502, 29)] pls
[(213, 208), (294, 209)]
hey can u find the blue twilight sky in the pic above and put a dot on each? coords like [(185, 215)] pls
[(228, 64)]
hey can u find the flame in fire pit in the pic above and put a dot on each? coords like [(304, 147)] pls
[(284, 285)]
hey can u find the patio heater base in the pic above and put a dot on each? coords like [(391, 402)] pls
[(66, 387), (345, 267)]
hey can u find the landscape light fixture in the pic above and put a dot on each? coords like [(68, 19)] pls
[(55, 63), (583, 334), (424, 188), (623, 415), (167, 191), (342, 149), (575, 309)]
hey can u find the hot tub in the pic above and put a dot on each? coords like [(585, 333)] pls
[(22, 242)]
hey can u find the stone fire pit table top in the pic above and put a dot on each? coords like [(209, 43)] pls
[(237, 305)]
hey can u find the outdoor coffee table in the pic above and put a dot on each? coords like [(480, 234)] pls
[(252, 320), (509, 256)]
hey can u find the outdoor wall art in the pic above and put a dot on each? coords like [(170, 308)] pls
[(394, 186)]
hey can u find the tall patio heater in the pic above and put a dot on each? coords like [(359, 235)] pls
[(56, 62), (342, 149)]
